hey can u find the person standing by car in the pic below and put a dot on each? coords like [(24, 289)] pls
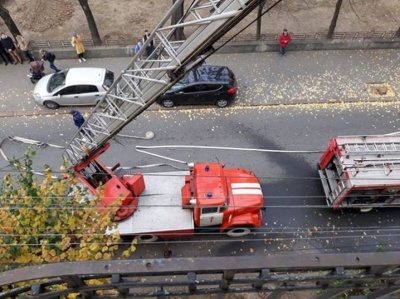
[(284, 39), (77, 117), (76, 42), (9, 46), (50, 57), (23, 45)]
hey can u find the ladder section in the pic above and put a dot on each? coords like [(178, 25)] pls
[(147, 77), (341, 186), (371, 147)]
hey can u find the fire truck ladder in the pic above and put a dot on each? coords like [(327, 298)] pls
[(146, 78), (372, 147), (338, 190)]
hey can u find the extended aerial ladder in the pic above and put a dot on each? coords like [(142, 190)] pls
[(144, 79)]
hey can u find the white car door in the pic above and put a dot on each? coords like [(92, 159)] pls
[(88, 94)]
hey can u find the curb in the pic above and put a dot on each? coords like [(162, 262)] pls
[(159, 108)]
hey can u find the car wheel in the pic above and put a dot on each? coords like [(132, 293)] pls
[(51, 105), (222, 103), (168, 103), (146, 238), (238, 232)]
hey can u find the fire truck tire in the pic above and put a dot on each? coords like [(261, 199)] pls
[(238, 232), (146, 238)]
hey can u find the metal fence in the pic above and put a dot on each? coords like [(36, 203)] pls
[(108, 42), (323, 276)]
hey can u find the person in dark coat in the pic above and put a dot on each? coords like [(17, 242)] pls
[(4, 55), (50, 57), (77, 117), (150, 46), (9, 46)]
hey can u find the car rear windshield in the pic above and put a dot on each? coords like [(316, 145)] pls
[(109, 78), (57, 80)]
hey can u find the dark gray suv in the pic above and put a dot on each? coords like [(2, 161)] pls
[(206, 84)]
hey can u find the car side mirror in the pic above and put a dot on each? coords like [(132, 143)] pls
[(59, 95)]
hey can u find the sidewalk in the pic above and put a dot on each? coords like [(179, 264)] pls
[(303, 77)]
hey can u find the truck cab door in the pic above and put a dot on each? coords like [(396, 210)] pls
[(210, 216)]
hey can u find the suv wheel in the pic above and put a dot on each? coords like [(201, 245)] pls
[(168, 103), (222, 103), (51, 105)]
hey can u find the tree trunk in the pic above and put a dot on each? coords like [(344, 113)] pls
[(5, 15), (178, 34), (91, 22), (397, 33), (334, 19), (259, 12)]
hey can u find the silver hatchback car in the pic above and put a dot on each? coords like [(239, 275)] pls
[(73, 87)]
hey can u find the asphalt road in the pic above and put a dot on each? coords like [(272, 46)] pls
[(296, 219), (281, 105)]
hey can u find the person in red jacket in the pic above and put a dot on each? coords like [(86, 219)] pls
[(284, 40)]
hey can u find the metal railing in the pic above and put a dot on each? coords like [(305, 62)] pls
[(109, 42), (324, 276)]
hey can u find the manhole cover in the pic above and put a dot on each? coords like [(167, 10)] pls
[(380, 89)]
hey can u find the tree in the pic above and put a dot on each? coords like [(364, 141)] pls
[(51, 220), (176, 17), (5, 15), (91, 22), (334, 19), (259, 15)]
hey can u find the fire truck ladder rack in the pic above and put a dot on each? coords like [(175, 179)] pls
[(386, 166), (372, 147), (147, 77)]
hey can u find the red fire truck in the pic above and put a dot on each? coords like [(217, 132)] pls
[(157, 206), (361, 172), (208, 194)]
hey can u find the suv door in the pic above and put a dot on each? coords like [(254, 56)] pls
[(213, 92), (186, 96)]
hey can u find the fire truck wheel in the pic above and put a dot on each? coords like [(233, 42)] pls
[(238, 232), (146, 238)]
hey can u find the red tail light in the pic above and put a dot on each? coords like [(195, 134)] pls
[(232, 90)]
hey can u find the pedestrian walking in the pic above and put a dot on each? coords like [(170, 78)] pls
[(138, 46), (150, 46), (9, 46), (50, 57), (284, 40), (4, 55), (77, 117), (23, 45), (77, 43)]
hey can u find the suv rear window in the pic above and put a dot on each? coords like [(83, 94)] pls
[(208, 74)]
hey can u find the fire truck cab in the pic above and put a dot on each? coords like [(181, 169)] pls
[(361, 172)]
